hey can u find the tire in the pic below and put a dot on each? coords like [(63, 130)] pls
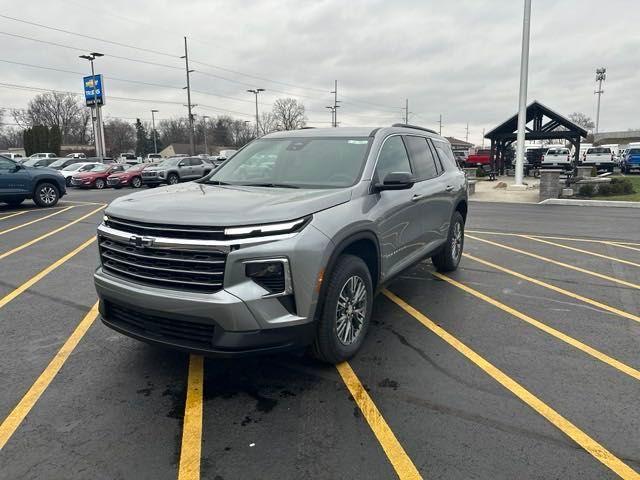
[(46, 195), (448, 258), (15, 202), (136, 182), (336, 342), (172, 179), (99, 184), (67, 181)]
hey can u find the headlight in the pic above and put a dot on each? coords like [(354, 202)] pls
[(267, 229)]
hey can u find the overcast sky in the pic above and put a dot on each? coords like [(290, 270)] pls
[(456, 58)]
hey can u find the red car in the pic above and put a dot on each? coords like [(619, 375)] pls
[(480, 158), (97, 176), (129, 177)]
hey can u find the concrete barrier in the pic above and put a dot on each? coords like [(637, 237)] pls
[(471, 187), (584, 172)]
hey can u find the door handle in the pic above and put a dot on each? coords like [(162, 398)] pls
[(449, 188), (417, 197)]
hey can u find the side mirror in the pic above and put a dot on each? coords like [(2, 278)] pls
[(397, 181), (181, 164), (17, 168)]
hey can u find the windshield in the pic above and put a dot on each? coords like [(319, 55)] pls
[(634, 151), (58, 163), (599, 150), (168, 162), (32, 162), (100, 168), (296, 163)]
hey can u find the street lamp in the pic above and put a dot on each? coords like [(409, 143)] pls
[(153, 126), (256, 91), (601, 75), (97, 125), (204, 121)]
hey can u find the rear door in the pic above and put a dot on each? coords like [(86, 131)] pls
[(197, 168), (431, 196)]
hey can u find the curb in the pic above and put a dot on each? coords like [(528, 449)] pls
[(589, 203)]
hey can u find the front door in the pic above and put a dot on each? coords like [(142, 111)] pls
[(14, 180)]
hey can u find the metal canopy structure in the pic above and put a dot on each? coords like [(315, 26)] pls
[(542, 124)]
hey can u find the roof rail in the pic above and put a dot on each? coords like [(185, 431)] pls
[(416, 127)]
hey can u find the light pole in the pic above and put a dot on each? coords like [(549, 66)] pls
[(204, 122), (256, 91), (601, 76), (153, 126), (98, 139), (522, 100), (332, 108)]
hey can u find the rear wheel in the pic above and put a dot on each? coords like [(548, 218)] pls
[(346, 311), (136, 182), (99, 184), (46, 195), (448, 258)]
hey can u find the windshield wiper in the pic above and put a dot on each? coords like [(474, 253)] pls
[(271, 185)]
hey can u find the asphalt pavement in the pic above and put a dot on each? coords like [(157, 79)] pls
[(523, 364)]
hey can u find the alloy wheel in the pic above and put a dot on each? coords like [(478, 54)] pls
[(456, 241), (48, 195), (351, 310)]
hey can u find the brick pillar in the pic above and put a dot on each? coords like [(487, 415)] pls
[(549, 183)]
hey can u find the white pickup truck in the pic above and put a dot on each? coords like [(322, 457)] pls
[(599, 157), (559, 157)]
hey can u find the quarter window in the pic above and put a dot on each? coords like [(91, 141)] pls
[(445, 153), (422, 157), (393, 158)]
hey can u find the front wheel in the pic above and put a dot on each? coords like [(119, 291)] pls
[(173, 179), (99, 184), (448, 258), (67, 181), (46, 195), (136, 182), (346, 311)]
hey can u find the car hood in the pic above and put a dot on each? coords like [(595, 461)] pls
[(226, 205)]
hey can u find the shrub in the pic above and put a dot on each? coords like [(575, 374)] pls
[(586, 190), (606, 189), (621, 186), (594, 171)]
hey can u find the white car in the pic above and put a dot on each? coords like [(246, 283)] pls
[(70, 170), (557, 157), (599, 157), (76, 155)]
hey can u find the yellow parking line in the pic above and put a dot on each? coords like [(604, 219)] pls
[(540, 283), (52, 232), (39, 276), (399, 459), (598, 355), (14, 214), (597, 450), (551, 237), (24, 406), (555, 262), (2, 232), (190, 452), (622, 245), (580, 250)]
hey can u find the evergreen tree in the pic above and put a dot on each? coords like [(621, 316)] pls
[(142, 140), (55, 139)]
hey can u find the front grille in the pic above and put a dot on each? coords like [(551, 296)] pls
[(176, 269), (180, 332), (149, 174), (164, 230), (113, 181)]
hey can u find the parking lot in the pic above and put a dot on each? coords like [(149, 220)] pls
[(522, 364)]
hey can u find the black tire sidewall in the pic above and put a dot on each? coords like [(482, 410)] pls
[(328, 347), (36, 194), (173, 175), (99, 182), (133, 182), (443, 260)]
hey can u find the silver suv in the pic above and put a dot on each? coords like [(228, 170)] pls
[(174, 170), (284, 245)]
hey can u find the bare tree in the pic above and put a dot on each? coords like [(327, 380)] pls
[(289, 114), (120, 136), (582, 120), (268, 123), (173, 130), (62, 110)]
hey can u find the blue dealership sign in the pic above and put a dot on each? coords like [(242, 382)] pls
[(89, 90)]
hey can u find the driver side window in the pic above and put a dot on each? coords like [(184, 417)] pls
[(6, 164), (393, 158)]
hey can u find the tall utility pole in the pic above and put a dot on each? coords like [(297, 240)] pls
[(440, 125), (192, 146), (601, 76), (467, 134), (96, 115), (256, 91), (334, 111), (153, 126), (406, 111), (522, 100), (204, 126)]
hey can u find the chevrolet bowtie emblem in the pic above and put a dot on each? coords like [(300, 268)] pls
[(141, 242)]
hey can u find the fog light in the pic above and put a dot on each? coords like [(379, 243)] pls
[(272, 275)]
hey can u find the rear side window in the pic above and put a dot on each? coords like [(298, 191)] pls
[(423, 162), (443, 149), (196, 161), (393, 158)]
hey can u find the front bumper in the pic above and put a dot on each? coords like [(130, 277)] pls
[(239, 319)]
